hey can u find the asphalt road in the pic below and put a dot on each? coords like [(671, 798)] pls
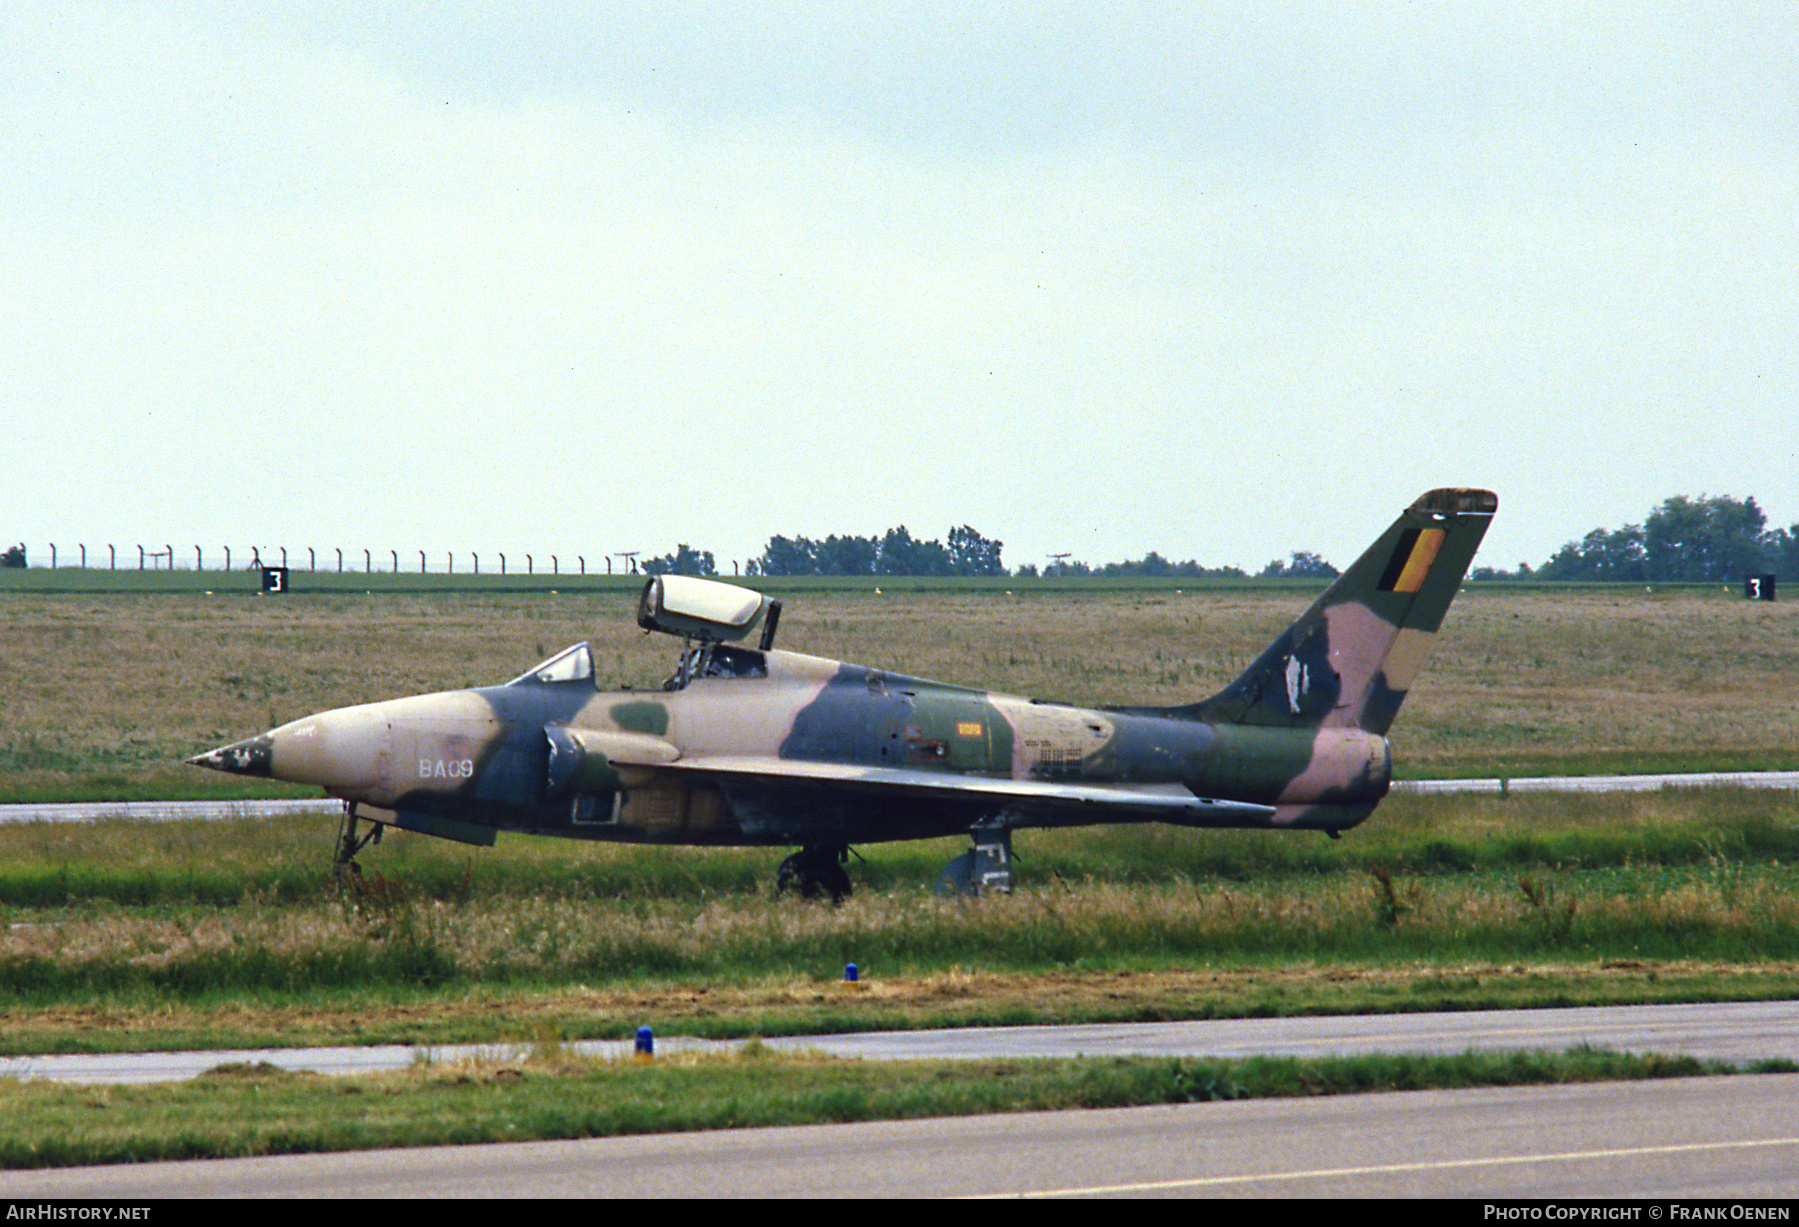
[(1739, 1032), (1732, 1137), (1682, 1138)]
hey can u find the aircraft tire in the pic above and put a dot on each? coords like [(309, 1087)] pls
[(957, 878), (813, 872)]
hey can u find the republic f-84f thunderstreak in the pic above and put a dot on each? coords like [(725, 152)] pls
[(756, 746)]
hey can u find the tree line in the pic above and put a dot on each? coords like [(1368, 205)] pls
[(965, 552), (895, 552), (1684, 540)]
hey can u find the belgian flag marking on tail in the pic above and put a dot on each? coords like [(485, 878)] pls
[(1411, 560)]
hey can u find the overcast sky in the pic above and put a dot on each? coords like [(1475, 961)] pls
[(1218, 280)]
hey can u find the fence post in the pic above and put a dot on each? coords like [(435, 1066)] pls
[(340, 561), (311, 561), (140, 558), (502, 564), (477, 559), (368, 562), (112, 558), (84, 558), (555, 567), (170, 551), (197, 565), (530, 568), (53, 555), (450, 563), (284, 558), (396, 554), (227, 558), (421, 562), (582, 559)]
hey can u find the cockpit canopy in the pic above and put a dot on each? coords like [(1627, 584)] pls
[(569, 665), (699, 608)]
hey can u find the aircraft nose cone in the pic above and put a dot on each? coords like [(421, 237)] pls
[(345, 751), (251, 756)]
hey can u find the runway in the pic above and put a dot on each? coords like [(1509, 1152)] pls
[(1697, 1137), (1732, 1137), (1739, 1032)]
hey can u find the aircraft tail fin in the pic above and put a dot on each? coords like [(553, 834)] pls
[(1348, 661)]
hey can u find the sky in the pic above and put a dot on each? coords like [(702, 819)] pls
[(1222, 281)]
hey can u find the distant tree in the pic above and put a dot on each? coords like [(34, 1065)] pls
[(900, 554), (1303, 564), (895, 552), (14, 557), (844, 556), (683, 561), (1616, 557), (972, 554), (1703, 539), (785, 557), (1684, 540), (1151, 564), (1780, 552)]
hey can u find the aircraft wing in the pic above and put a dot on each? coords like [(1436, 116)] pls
[(1160, 802)]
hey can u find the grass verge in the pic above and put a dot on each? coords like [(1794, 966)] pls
[(790, 1005)]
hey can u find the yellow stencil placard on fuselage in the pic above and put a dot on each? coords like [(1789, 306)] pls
[(1424, 552), (969, 728)]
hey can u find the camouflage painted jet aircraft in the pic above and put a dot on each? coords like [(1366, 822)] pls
[(764, 747)]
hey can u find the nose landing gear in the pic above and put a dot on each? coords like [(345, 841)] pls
[(348, 844)]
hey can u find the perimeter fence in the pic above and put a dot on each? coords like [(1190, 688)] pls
[(139, 556)]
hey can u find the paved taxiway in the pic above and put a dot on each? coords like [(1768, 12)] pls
[(1681, 1138), (1736, 1031), (1691, 1137)]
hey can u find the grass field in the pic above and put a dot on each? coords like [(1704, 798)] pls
[(160, 935), (103, 693)]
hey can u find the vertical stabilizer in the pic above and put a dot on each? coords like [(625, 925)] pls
[(1349, 659)]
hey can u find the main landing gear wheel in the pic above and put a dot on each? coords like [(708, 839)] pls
[(957, 878), (815, 870), (987, 866)]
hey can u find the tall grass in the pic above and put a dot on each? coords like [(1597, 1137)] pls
[(144, 864), (391, 935)]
